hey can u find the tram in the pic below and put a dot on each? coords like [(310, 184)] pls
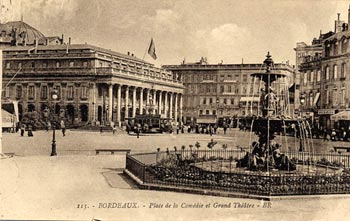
[(149, 123), (10, 117)]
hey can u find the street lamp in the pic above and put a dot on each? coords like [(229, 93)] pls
[(302, 102), (54, 97), (301, 107)]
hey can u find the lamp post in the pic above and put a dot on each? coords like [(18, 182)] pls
[(301, 109), (217, 107), (54, 97)]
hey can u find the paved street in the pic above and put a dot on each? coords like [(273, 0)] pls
[(84, 143), (36, 186)]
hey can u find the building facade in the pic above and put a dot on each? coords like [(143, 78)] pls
[(223, 90), (94, 85), (324, 77)]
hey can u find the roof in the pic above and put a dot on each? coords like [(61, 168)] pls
[(76, 47), (20, 27)]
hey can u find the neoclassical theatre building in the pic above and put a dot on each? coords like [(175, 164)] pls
[(94, 85)]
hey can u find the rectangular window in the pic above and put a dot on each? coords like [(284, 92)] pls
[(71, 64), (58, 64), (327, 73), (335, 100), (18, 92), (225, 101), (214, 112), (85, 64), (7, 92), (19, 65), (232, 101), (8, 65), (229, 88), (84, 92), (210, 100), (43, 92), (70, 92), (335, 72), (222, 88), (31, 92), (204, 101), (342, 97), (200, 112), (208, 88), (318, 76), (327, 97), (207, 112), (342, 71), (305, 78)]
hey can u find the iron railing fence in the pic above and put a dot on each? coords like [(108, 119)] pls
[(144, 167)]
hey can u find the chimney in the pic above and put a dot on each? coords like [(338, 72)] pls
[(132, 55), (69, 40), (128, 53)]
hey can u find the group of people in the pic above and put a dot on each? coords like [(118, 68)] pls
[(22, 127)]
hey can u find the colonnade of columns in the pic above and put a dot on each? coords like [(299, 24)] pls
[(126, 101)]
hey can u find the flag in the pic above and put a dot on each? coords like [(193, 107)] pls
[(152, 50)]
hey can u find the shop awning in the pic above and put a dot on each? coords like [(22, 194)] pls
[(317, 97), (343, 115), (250, 99)]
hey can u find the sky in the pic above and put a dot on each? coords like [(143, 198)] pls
[(222, 30)]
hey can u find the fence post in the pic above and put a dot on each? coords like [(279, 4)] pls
[(143, 173)]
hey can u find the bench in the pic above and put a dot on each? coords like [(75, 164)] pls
[(342, 148), (112, 151)]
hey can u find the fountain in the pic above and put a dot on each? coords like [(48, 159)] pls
[(265, 154)]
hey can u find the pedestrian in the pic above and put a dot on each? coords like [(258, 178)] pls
[(225, 129), (114, 129), (210, 130), (101, 128), (22, 129), (138, 130), (30, 131), (215, 128), (63, 128), (333, 135)]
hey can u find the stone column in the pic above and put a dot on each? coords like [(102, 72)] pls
[(134, 102), (127, 101), (166, 107), (93, 103), (110, 103), (160, 103), (141, 101), (119, 98), (147, 98), (171, 105), (154, 101), (175, 109), (181, 106)]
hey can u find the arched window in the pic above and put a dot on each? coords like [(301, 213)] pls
[(344, 45)]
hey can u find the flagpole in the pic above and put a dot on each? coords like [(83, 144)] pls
[(144, 54)]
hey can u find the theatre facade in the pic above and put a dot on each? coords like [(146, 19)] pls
[(94, 85)]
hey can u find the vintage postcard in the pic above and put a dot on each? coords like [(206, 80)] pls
[(174, 110)]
